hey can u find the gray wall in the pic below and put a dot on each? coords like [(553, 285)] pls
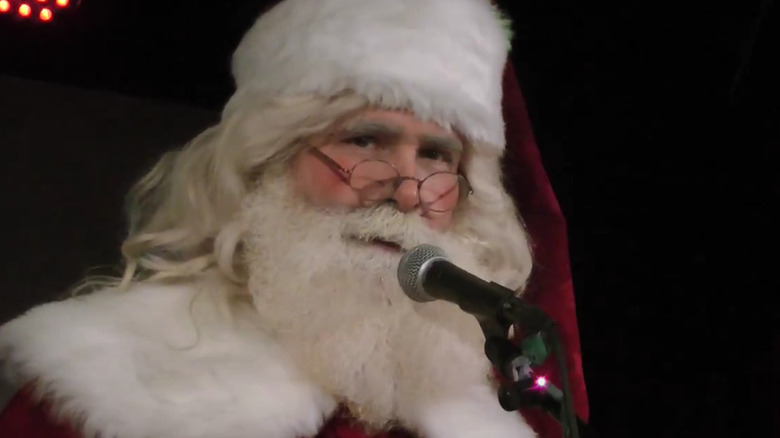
[(68, 157)]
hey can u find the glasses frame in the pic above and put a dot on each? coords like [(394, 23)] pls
[(346, 176)]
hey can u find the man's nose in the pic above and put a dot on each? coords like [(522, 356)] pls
[(406, 195)]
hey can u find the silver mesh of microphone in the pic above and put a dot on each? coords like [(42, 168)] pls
[(413, 268)]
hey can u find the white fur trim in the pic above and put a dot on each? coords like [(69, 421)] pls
[(130, 366), (478, 414), (441, 59), (133, 365)]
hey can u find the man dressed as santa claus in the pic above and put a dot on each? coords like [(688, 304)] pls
[(260, 296)]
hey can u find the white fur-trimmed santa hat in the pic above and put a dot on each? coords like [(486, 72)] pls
[(441, 59)]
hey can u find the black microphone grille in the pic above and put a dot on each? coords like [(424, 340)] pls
[(411, 270)]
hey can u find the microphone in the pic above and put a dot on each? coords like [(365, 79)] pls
[(426, 274)]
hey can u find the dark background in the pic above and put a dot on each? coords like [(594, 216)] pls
[(657, 122)]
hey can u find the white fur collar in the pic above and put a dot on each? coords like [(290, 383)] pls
[(132, 366), (135, 365)]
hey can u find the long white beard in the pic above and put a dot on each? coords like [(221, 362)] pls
[(333, 302)]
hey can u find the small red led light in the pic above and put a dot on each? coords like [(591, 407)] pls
[(25, 10)]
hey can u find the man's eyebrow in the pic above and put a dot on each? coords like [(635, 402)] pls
[(365, 127), (368, 127), (451, 144)]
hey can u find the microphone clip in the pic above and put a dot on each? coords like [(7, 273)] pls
[(515, 361), (521, 387)]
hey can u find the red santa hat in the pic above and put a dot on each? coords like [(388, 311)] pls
[(550, 287)]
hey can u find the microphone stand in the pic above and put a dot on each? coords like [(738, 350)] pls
[(514, 362)]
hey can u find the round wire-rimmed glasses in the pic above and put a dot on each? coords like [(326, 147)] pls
[(376, 180)]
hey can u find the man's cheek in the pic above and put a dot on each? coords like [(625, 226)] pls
[(329, 190)]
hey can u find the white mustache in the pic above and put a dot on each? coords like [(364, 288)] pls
[(385, 222)]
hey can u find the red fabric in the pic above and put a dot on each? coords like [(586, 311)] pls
[(551, 286), (23, 418), (341, 426)]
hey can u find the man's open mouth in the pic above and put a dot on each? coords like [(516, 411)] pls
[(386, 245), (390, 246)]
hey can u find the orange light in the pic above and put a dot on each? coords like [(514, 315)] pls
[(41, 1), (25, 10), (5, 6), (62, 3), (45, 14)]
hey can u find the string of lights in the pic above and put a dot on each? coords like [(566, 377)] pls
[(35, 10)]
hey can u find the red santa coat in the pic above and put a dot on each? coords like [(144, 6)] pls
[(25, 418), (550, 288)]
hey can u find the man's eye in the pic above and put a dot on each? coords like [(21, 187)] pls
[(362, 141), (436, 154)]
